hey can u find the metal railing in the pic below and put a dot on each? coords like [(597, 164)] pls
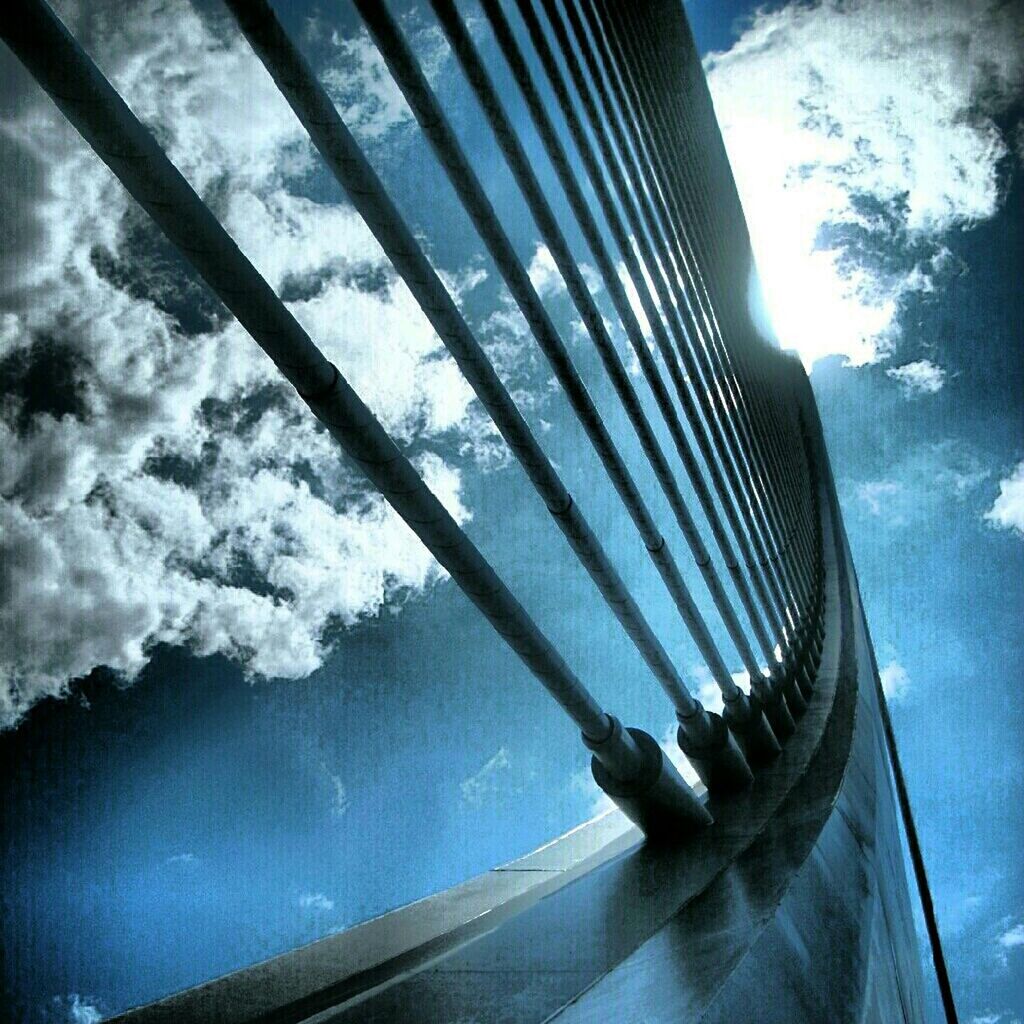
[(778, 583), (636, 131)]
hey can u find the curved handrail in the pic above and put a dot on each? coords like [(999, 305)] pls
[(625, 890), (544, 931)]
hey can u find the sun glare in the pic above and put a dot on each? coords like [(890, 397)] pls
[(800, 300)]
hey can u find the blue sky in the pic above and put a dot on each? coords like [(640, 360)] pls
[(223, 657)]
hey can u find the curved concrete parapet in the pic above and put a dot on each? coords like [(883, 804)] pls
[(812, 921), (793, 906)]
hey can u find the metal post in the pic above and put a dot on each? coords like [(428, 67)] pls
[(676, 224), (478, 78), (674, 305), (771, 600), (656, 795), (465, 51), (715, 755), (674, 172)]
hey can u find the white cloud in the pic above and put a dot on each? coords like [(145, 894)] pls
[(339, 794), (359, 82), (987, 1018), (485, 782), (1008, 941), (708, 692), (921, 377), (895, 681), (859, 133), (1007, 511), (546, 278), (599, 802), (634, 299), (315, 901), (670, 745), (922, 483), (172, 489), (544, 273), (1013, 937), (591, 278), (73, 1009), (182, 858), (83, 1013), (875, 494)]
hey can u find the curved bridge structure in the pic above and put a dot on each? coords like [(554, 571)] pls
[(792, 906), (774, 889)]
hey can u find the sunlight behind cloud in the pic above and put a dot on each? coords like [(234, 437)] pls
[(858, 136)]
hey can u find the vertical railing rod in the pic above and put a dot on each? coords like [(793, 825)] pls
[(57, 62), (466, 52), (795, 674), (404, 68), (767, 604), (675, 224), (541, 211), (632, 76), (674, 308), (777, 706), (640, 143), (684, 123), (344, 157)]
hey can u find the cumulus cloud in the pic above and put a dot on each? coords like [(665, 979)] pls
[(921, 377), (1007, 511), (875, 494), (359, 82), (921, 483), (73, 1009), (895, 681), (544, 273), (84, 1013), (339, 793), (485, 782), (860, 132), (160, 483), (1009, 940), (315, 901), (547, 278), (708, 692), (669, 743), (1013, 937), (629, 285), (548, 282)]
